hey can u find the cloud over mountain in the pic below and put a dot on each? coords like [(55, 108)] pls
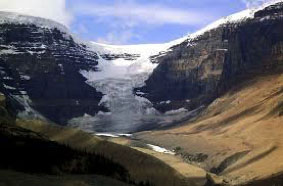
[(50, 9)]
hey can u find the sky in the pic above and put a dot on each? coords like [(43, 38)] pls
[(130, 21)]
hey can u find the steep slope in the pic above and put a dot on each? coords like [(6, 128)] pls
[(123, 89), (40, 64), (234, 68), (49, 74), (226, 78), (210, 61), (142, 168), (66, 156), (240, 133), (120, 70), (179, 79), (28, 152)]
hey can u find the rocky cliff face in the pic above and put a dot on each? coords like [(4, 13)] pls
[(45, 71), (198, 70), (40, 71)]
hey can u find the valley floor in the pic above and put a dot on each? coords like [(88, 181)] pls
[(193, 174), (144, 166), (239, 136), (237, 140)]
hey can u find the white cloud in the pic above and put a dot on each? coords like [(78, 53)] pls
[(50, 9), (253, 3), (117, 37), (125, 17), (134, 13)]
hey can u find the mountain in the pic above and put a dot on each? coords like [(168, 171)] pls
[(211, 61), (233, 69), (34, 152), (120, 69), (50, 74), (215, 96), (40, 64)]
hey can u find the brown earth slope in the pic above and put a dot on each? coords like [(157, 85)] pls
[(239, 135), (67, 156), (143, 167)]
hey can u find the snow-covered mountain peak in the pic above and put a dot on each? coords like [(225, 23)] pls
[(234, 18), (15, 18), (121, 71), (153, 49)]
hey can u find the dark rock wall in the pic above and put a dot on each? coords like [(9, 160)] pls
[(196, 72), (44, 64)]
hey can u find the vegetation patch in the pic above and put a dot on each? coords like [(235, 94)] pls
[(26, 151), (228, 162), (190, 158)]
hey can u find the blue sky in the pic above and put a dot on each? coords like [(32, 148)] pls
[(130, 21), (145, 21)]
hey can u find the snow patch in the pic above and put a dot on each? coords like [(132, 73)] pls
[(234, 18), (7, 78), (107, 135), (8, 51), (28, 113), (165, 102), (8, 87), (173, 112), (160, 149), (15, 18), (112, 135), (100, 113), (25, 77), (23, 92), (62, 72)]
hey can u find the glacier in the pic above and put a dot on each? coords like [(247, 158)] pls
[(116, 78), (120, 70)]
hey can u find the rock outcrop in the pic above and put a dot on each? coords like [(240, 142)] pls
[(200, 69), (41, 65), (40, 71)]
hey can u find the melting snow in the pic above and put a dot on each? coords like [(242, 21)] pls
[(113, 135), (116, 79), (29, 112), (160, 149), (172, 112), (107, 135)]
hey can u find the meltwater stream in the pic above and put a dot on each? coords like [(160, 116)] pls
[(116, 79)]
